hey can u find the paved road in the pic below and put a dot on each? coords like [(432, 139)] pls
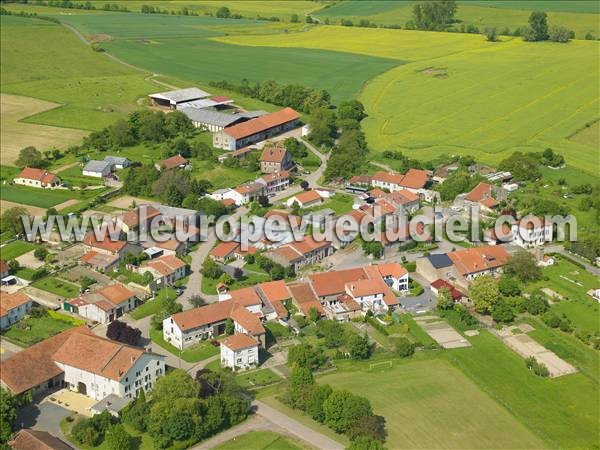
[(561, 250), (294, 427)]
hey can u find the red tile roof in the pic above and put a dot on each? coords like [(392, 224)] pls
[(116, 293), (224, 249), (239, 341), (262, 123), (308, 197), (305, 298), (394, 270), (274, 291), (478, 259), (402, 197), (333, 283), (479, 192), (364, 288), (11, 301), (220, 98), (415, 179), (388, 177), (441, 284), (27, 439), (250, 322), (166, 265), (105, 244), (43, 176), (274, 154), (173, 162), (3, 266)]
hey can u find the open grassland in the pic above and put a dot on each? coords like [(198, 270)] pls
[(462, 95), (44, 60), (260, 440), (43, 198), (564, 411), (430, 404), (15, 134), (579, 16), (15, 249)]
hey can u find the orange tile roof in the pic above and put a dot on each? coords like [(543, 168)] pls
[(204, 315), (11, 301), (109, 359), (239, 341), (307, 197), (131, 218), (250, 250), (27, 439), (489, 202), (287, 253), (308, 245), (276, 176), (388, 177), (349, 302), (249, 188), (245, 296), (250, 322), (280, 309), (394, 270), (389, 297), (43, 176), (333, 283), (364, 288), (224, 249), (415, 179), (166, 265), (34, 365), (116, 293), (305, 298), (275, 154), (478, 259), (228, 201), (479, 192), (274, 291), (105, 244), (3, 266), (173, 162), (360, 179), (402, 197), (262, 123), (376, 193)]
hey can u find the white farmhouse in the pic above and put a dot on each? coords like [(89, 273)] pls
[(38, 178), (531, 231), (104, 305), (239, 351), (13, 307)]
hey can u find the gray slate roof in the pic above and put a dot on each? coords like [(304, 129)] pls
[(97, 166), (440, 261), (120, 160), (182, 95), (216, 118)]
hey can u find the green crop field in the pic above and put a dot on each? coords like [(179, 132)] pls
[(15, 249), (430, 404), (579, 16), (93, 89), (462, 95), (42, 198)]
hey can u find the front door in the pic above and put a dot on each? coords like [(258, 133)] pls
[(82, 388)]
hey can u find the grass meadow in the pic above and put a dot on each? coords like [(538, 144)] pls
[(461, 95), (261, 440), (57, 286), (579, 16), (15, 249), (43, 198)]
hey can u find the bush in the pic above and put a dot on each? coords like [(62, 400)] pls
[(91, 431), (404, 348), (536, 367)]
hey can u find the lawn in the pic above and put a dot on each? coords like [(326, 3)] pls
[(74, 177), (94, 89), (579, 307), (209, 285), (260, 377), (58, 286), (32, 330), (153, 306), (465, 86), (195, 353), (339, 203), (260, 440), (43, 198), (427, 403), (15, 249), (564, 411)]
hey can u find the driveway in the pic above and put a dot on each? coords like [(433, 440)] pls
[(44, 417)]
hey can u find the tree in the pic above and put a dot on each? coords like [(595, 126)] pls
[(371, 426), (305, 355), (351, 109), (118, 439), (173, 420), (300, 385), (121, 134), (223, 12), (343, 409), (8, 415), (433, 15), (359, 346), (523, 166), (229, 327), (365, 443), (176, 384), (332, 331), (536, 303), (491, 34), (484, 293), (444, 299), (523, 265), (294, 18), (314, 405), (121, 332), (404, 348), (304, 185), (196, 301), (136, 413), (322, 127), (30, 157), (501, 312), (211, 269), (538, 21), (509, 286), (12, 221), (313, 314), (40, 253), (560, 34)]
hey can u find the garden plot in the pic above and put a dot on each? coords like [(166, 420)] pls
[(442, 333), (516, 339)]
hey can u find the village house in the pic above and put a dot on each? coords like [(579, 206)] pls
[(103, 305), (118, 162), (97, 169), (305, 199), (139, 218), (298, 254), (245, 193), (305, 299), (242, 306), (343, 308), (215, 121), (171, 99), (275, 182), (462, 266), (82, 362), (38, 178), (27, 439), (531, 231), (439, 284), (174, 162), (275, 158), (484, 197), (165, 270), (414, 180), (107, 246), (13, 307), (4, 269), (256, 130), (239, 351), (171, 246), (273, 295), (101, 262), (403, 199), (224, 251)]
